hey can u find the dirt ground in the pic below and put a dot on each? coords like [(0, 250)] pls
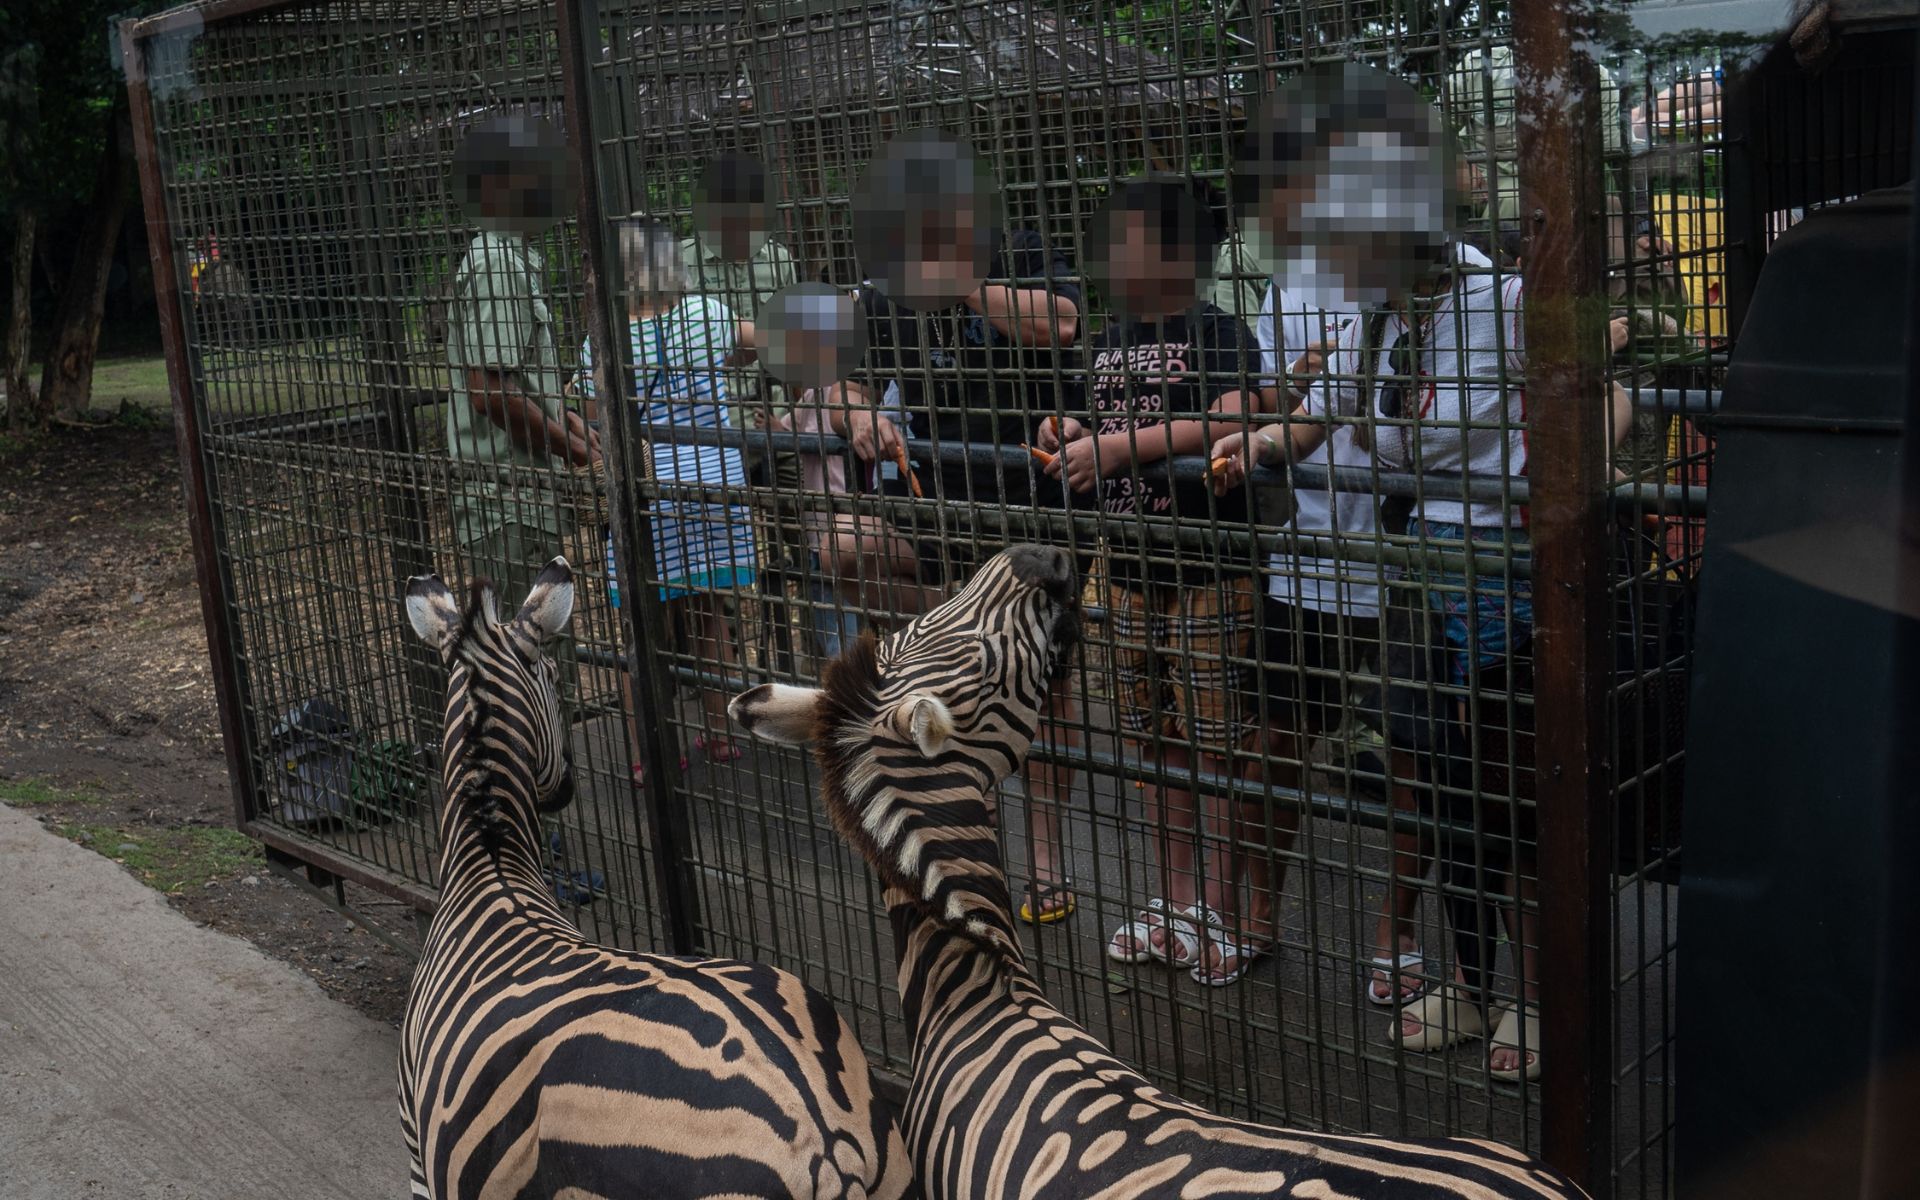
[(108, 730)]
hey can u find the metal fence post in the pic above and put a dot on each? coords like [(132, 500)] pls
[(210, 567), (1560, 178), (642, 619)]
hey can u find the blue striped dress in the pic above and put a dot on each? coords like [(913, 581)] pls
[(699, 545)]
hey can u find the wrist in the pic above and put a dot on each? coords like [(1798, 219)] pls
[(1265, 449)]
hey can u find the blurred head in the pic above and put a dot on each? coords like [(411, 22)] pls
[(815, 335), (1351, 188), (654, 273), (924, 218), (733, 207), (1152, 246), (511, 173)]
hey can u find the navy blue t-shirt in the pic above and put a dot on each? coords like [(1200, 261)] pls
[(964, 381)]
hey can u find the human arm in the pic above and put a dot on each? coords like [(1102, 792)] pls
[(496, 396), (1046, 315)]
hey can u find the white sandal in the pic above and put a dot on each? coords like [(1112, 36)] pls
[(1176, 923), (1515, 1025), (1446, 1016), (1396, 970), (1243, 954)]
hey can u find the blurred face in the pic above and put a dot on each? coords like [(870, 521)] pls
[(1148, 279), (942, 252), (1360, 227), (738, 230)]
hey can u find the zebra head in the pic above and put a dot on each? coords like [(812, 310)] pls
[(913, 732), (504, 736)]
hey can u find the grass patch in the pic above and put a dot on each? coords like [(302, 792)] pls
[(33, 793), (133, 381), (171, 859)]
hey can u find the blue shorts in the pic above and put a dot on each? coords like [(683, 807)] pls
[(701, 583), (1484, 622)]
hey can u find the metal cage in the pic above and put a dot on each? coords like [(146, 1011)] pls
[(306, 242)]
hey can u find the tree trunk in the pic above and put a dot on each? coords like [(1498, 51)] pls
[(67, 385), (15, 344)]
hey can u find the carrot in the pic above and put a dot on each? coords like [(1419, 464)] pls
[(913, 481), (1040, 456), (1219, 465)]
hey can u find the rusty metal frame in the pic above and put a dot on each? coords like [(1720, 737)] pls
[(1562, 204), (210, 566), (642, 619)]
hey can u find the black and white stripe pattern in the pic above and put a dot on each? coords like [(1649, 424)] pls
[(1009, 1096), (535, 1064)]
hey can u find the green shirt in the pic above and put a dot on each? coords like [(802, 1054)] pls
[(1239, 283), (743, 287), (499, 320)]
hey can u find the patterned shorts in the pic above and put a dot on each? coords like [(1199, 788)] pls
[(1489, 623), (1174, 651)]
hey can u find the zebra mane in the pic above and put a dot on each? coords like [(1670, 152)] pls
[(919, 845), (478, 792)]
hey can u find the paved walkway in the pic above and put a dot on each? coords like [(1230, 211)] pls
[(142, 1056)]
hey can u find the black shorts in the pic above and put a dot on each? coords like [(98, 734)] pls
[(1303, 653)]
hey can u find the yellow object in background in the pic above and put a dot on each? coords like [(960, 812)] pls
[(1693, 226)]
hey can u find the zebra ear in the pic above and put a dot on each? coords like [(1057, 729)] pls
[(432, 610), (778, 712), (924, 720), (549, 605)]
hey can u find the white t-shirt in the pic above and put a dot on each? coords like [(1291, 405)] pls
[(1286, 328), (1472, 365)]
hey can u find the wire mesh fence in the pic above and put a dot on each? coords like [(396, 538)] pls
[(1307, 704)]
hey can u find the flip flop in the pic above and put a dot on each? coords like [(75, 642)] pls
[(1034, 909), (1139, 933), (718, 749), (1397, 970), (1243, 954)]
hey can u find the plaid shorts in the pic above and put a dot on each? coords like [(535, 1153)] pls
[(1174, 650), (1490, 622)]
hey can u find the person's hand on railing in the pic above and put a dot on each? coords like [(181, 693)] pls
[(1236, 455), (1082, 463), (873, 437)]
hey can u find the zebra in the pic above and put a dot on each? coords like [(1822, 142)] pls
[(1008, 1096), (536, 1064)]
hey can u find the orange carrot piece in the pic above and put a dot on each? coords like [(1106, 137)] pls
[(1041, 456), (1219, 465), (913, 481)]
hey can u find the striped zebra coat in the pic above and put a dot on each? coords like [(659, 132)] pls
[(1010, 1097), (536, 1064)]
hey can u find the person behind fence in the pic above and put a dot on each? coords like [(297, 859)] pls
[(814, 335), (1440, 355), (703, 545), (736, 257), (506, 417), (971, 324), (1183, 618)]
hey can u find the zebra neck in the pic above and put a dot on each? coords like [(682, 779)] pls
[(488, 825), (942, 970), (936, 849)]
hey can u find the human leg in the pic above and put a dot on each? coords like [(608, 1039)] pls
[(1165, 929), (1049, 786), (877, 568)]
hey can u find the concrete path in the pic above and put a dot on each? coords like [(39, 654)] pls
[(142, 1056)]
